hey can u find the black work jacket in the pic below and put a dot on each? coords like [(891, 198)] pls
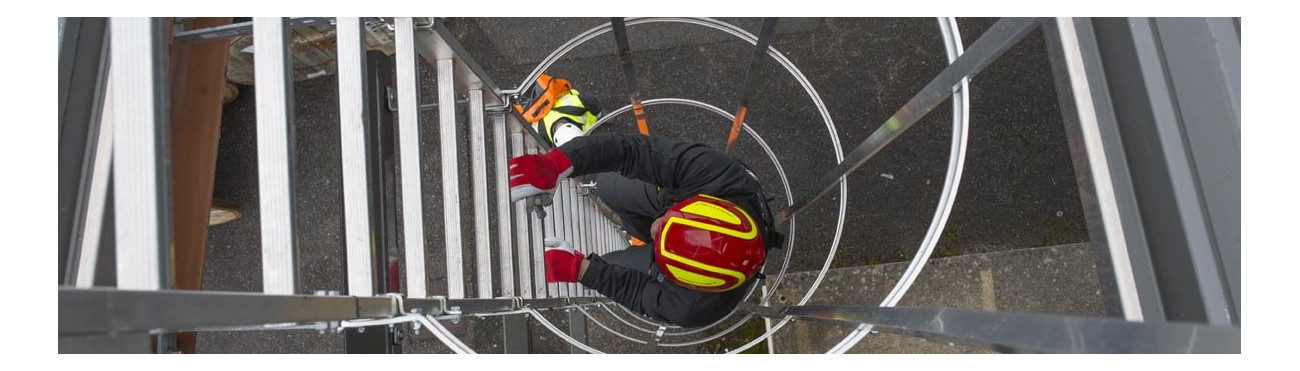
[(681, 170)]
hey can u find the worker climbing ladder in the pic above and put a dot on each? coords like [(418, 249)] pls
[(130, 132)]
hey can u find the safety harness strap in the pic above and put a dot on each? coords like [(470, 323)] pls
[(629, 73), (760, 48)]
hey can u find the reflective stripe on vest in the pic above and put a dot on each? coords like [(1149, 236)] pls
[(583, 118)]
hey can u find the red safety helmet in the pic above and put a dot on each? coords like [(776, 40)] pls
[(708, 244)]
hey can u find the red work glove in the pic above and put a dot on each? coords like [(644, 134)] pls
[(562, 261), (532, 175)]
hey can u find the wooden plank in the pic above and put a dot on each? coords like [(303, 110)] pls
[(197, 81)]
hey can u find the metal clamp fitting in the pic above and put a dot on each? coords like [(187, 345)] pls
[(442, 303), (398, 301)]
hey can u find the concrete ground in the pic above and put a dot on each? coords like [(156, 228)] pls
[(1018, 190), (1053, 280)]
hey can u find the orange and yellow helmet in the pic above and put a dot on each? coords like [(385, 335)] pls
[(708, 244)]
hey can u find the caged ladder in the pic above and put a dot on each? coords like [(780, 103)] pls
[(123, 143)]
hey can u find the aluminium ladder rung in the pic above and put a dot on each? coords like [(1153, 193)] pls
[(558, 221), (408, 130), (275, 154), (569, 228), (579, 229), (352, 119), (580, 236), (525, 245), (450, 178), (520, 234), (478, 168), (141, 183), (538, 230), (503, 207)]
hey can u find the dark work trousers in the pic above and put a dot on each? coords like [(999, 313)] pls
[(637, 204)]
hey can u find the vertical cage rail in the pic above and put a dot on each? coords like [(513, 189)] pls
[(1000, 37)]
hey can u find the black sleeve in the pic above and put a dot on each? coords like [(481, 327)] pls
[(643, 294), (621, 284), (684, 168)]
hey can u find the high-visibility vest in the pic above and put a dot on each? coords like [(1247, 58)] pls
[(570, 108)]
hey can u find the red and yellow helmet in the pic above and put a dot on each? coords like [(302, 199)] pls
[(708, 244)]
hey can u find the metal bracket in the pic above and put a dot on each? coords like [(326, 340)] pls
[(442, 303), (391, 95), (507, 98), (764, 311), (400, 304), (374, 23), (399, 301), (415, 325), (454, 314), (538, 202), (422, 22), (652, 345), (330, 326), (586, 188)]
